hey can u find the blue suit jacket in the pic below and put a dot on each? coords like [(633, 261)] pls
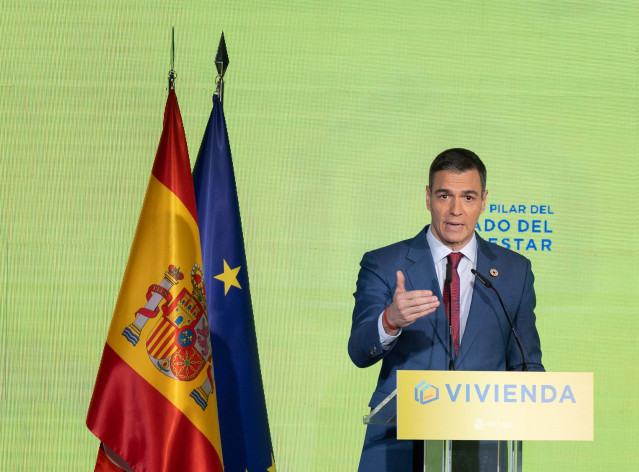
[(487, 343)]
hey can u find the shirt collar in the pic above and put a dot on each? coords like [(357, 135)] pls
[(440, 251)]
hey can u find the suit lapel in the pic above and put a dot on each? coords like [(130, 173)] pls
[(421, 275), (480, 306)]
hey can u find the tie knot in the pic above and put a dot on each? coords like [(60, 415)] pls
[(454, 258)]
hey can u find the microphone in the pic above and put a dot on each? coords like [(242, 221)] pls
[(484, 280), (449, 279), (489, 284)]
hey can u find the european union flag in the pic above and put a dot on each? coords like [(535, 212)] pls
[(246, 439)]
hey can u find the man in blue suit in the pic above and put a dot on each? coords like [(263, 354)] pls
[(400, 319)]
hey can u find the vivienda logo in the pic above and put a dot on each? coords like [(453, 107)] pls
[(426, 393), (497, 393)]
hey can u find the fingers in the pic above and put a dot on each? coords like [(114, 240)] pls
[(401, 281), (413, 305), (416, 301)]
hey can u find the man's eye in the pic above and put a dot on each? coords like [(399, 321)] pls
[(469, 198)]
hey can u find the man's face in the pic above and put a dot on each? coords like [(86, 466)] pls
[(455, 203)]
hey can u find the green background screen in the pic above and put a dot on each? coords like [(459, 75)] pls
[(335, 110)]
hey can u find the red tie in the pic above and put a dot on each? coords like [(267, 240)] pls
[(453, 260)]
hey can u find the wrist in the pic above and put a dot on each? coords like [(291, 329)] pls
[(387, 325)]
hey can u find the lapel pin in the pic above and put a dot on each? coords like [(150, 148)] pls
[(494, 272)]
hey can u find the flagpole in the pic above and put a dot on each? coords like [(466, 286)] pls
[(221, 63), (172, 71)]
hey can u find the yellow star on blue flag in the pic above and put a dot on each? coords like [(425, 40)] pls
[(229, 277), (272, 467)]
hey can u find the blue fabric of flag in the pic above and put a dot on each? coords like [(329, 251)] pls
[(246, 439)]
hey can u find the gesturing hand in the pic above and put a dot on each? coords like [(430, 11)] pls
[(407, 307)]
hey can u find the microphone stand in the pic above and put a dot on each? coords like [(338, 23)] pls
[(448, 444), (488, 284)]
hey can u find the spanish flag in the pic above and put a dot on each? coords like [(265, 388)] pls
[(154, 403)]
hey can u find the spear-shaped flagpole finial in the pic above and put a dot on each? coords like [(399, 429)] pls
[(172, 71), (221, 63)]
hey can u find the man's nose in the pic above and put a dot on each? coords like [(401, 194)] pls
[(456, 206)]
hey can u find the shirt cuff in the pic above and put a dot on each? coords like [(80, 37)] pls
[(386, 339)]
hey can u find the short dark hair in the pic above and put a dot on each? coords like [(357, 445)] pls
[(457, 160)]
